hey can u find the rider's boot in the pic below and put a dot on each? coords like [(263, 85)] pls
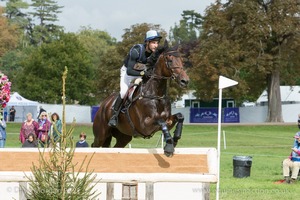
[(116, 110)]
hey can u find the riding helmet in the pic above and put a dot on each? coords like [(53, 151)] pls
[(152, 35)]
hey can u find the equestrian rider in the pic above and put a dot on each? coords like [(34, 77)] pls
[(132, 69)]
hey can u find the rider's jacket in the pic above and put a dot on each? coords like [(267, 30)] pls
[(136, 54)]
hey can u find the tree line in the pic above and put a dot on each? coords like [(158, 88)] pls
[(255, 42)]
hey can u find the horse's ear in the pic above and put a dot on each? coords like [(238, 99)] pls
[(178, 48), (166, 45), (163, 48)]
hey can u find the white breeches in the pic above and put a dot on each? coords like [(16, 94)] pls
[(125, 81)]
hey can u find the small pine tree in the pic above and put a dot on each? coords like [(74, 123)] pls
[(55, 176)]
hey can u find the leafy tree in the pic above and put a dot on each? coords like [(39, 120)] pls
[(253, 42), (40, 77), (102, 50), (8, 35), (188, 27), (97, 43), (108, 73), (186, 32), (10, 64), (15, 12), (17, 18), (46, 14)]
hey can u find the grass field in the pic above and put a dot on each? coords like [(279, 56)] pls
[(268, 145)]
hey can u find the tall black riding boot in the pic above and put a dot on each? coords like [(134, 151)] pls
[(116, 110)]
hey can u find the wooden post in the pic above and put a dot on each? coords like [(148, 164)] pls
[(205, 191), (149, 191), (110, 191), (22, 190), (129, 191)]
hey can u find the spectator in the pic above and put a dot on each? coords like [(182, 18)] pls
[(27, 127), (82, 142), (41, 110), (30, 142), (5, 115), (56, 127), (292, 163), (12, 114), (43, 129), (299, 121), (2, 132)]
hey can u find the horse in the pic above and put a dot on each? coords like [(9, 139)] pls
[(148, 109)]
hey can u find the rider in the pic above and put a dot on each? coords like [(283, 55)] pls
[(134, 67)]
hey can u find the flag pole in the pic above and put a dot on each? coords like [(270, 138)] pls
[(223, 83)]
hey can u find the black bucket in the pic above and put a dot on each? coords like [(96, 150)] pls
[(242, 166)]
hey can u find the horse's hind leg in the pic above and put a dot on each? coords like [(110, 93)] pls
[(121, 139), (107, 141), (178, 129), (102, 135)]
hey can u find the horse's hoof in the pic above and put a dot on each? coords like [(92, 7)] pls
[(169, 154), (169, 150)]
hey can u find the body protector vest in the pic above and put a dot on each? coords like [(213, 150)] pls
[(140, 48)]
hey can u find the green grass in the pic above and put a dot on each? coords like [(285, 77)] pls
[(268, 145)]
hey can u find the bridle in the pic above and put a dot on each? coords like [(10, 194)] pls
[(168, 63), (171, 68)]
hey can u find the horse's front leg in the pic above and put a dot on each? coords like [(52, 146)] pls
[(178, 129), (169, 147)]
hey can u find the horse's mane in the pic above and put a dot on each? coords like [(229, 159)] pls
[(174, 51)]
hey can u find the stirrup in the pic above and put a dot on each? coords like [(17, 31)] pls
[(113, 121)]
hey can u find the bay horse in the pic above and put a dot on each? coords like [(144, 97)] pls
[(149, 108)]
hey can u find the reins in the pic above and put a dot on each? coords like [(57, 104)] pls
[(174, 75), (160, 77)]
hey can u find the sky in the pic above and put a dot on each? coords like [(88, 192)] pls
[(113, 16)]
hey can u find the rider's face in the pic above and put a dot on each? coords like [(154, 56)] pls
[(152, 45)]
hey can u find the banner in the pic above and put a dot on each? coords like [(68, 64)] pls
[(231, 115), (93, 112), (204, 115)]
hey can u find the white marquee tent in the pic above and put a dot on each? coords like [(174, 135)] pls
[(22, 107)]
